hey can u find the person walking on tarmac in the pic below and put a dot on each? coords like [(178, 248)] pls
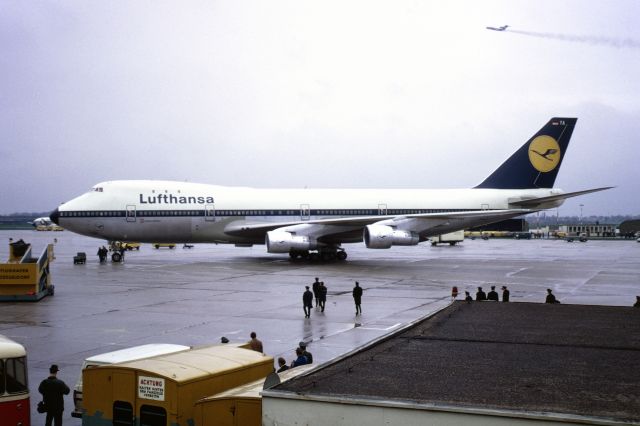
[(102, 254), (315, 286), (53, 391), (322, 294), (307, 302), (357, 298)]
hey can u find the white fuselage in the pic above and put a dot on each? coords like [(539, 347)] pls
[(166, 211)]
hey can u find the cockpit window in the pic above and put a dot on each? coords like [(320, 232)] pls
[(97, 189)]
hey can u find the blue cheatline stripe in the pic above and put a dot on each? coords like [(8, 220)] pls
[(226, 212)]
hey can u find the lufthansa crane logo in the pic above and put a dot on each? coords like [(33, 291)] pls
[(544, 153)]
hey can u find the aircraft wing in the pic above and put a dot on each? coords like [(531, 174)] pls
[(538, 202), (350, 229)]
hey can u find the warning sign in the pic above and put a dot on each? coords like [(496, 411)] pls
[(151, 388)]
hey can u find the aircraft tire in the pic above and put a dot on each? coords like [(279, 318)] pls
[(341, 255), (116, 257)]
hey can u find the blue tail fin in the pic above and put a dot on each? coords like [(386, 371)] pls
[(537, 162)]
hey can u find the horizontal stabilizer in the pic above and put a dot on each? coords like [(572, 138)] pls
[(533, 202)]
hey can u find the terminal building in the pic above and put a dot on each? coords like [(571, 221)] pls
[(590, 229), (479, 363)]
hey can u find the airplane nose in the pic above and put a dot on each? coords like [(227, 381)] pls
[(54, 216)]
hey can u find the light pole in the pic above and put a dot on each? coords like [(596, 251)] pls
[(581, 206)]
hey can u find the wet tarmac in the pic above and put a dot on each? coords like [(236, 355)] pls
[(195, 296)]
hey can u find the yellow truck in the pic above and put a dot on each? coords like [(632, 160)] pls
[(240, 406), (163, 390)]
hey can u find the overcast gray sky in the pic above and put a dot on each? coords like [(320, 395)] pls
[(394, 94)]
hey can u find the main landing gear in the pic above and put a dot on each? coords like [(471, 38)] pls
[(325, 254)]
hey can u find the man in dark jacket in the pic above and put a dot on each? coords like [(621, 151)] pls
[(480, 295), (307, 302), (322, 295), (357, 297), (551, 298), (282, 363), (493, 294), (315, 286), (505, 293), (53, 391)]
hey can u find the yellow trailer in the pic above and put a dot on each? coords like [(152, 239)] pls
[(241, 406), (24, 277), (163, 390)]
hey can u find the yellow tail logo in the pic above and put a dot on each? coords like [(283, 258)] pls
[(544, 153)]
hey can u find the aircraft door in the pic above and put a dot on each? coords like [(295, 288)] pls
[(131, 213), (305, 212), (210, 213), (382, 209)]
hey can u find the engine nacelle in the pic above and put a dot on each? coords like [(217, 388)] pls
[(284, 242), (383, 237)]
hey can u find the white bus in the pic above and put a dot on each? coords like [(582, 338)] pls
[(15, 407)]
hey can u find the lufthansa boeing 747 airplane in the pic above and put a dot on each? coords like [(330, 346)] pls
[(312, 223)]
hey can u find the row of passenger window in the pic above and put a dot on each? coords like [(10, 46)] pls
[(93, 214), (152, 213), (156, 213)]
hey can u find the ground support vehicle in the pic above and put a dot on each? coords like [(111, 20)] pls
[(14, 389), (24, 277)]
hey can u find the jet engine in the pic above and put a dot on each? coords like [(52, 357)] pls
[(284, 242), (383, 237)]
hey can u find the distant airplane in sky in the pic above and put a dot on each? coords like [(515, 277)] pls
[(502, 28), (314, 223)]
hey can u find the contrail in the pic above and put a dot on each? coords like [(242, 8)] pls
[(620, 43)]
